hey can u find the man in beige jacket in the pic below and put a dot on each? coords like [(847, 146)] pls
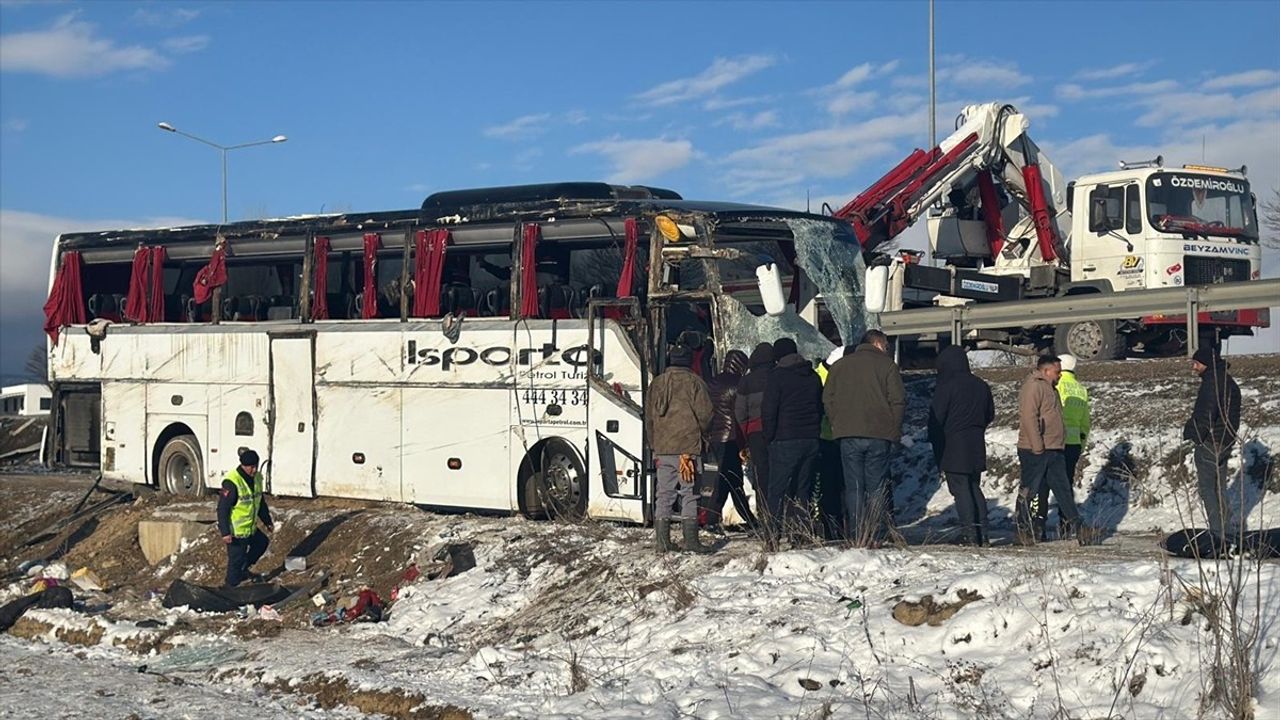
[(677, 414), (1041, 440)]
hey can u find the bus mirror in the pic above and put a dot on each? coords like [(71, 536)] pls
[(769, 279)]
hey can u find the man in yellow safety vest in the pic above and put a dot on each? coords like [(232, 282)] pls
[(240, 506)]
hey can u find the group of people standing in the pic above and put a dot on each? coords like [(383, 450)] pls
[(796, 429), (818, 442)]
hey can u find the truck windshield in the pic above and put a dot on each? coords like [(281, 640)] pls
[(1201, 205)]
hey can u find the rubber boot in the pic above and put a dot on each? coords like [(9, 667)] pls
[(662, 528), (691, 542)]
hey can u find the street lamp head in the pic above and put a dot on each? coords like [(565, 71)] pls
[(279, 139), (166, 127)]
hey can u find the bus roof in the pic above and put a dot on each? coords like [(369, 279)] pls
[(481, 206)]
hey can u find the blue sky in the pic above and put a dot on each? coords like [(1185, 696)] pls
[(763, 102)]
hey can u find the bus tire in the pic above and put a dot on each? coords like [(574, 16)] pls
[(1089, 340), (558, 485), (180, 469)]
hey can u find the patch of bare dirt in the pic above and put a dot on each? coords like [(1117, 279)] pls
[(926, 610), (335, 692)]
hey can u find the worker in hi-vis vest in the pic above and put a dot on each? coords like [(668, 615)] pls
[(240, 506)]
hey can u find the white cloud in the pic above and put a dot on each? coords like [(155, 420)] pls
[(861, 73), (848, 102), (164, 17), (524, 126), (753, 121), (638, 160), (15, 125), (72, 48), (832, 152), (1248, 78), (1074, 91), (721, 73), (576, 117), (186, 44), (1185, 108), (962, 72), (1115, 71), (719, 103)]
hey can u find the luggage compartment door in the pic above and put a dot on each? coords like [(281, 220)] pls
[(292, 440)]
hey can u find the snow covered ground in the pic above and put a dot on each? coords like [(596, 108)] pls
[(567, 621)]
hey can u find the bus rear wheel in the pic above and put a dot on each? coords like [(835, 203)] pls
[(180, 471), (558, 485)]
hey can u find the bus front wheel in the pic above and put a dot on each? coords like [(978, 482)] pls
[(558, 485), (180, 470)]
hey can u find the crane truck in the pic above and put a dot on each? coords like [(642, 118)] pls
[(1008, 227)]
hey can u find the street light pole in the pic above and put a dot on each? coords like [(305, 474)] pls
[(222, 149)]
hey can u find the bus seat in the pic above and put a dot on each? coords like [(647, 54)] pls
[(458, 299), (278, 307), (556, 301), (586, 295), (497, 301), (196, 312)]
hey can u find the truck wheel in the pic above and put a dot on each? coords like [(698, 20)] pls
[(559, 482), (1089, 340), (180, 471)]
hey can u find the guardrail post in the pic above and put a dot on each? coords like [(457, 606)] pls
[(1193, 320), (957, 326)]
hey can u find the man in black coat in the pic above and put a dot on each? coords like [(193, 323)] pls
[(746, 410), (961, 411), (1213, 426), (792, 418)]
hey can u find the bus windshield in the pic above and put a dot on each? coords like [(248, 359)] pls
[(1201, 205)]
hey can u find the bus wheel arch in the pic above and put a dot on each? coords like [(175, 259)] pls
[(552, 481), (177, 463)]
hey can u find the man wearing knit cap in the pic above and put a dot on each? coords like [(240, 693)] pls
[(240, 506), (792, 416), (1213, 426), (747, 411), (1075, 417), (678, 412)]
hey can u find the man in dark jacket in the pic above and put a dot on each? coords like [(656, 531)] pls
[(241, 505), (1213, 428), (959, 415), (865, 400), (677, 414), (746, 409), (792, 416), (726, 442)]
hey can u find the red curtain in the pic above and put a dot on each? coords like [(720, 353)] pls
[(145, 301), (65, 305), (155, 304), (529, 271), (135, 303), (213, 275), (627, 277), (428, 271), (320, 280), (370, 293)]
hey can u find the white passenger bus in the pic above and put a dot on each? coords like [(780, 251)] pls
[(488, 351)]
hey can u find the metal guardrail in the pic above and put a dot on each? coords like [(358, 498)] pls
[(1131, 304)]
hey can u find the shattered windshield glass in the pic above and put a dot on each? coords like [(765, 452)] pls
[(741, 330), (834, 265)]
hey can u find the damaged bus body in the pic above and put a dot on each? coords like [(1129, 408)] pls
[(489, 351)]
